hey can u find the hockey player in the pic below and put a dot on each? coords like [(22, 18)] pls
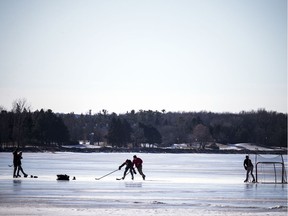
[(138, 164), (248, 166), (129, 167)]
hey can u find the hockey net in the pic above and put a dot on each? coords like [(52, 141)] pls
[(270, 169)]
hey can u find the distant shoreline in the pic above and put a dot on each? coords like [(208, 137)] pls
[(146, 150)]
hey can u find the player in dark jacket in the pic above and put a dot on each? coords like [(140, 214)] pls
[(138, 164), (249, 168), (129, 167), (15, 162)]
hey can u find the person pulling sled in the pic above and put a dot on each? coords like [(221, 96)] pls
[(17, 157)]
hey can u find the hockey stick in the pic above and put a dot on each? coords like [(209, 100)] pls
[(126, 175), (106, 174)]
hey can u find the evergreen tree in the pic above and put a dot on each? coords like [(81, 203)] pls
[(119, 133), (151, 134)]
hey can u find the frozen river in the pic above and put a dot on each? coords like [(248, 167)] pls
[(198, 181)]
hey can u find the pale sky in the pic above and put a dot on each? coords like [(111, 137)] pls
[(120, 55)]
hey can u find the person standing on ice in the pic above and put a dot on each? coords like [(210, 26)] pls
[(15, 164), (19, 164), (249, 168), (129, 167), (138, 164)]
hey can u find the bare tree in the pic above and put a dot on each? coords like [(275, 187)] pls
[(20, 105), (202, 135), (20, 109)]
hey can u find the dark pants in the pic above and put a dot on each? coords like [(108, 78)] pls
[(139, 168), (20, 169), (15, 170), (130, 170), (249, 170)]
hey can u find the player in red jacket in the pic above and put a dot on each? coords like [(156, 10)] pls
[(138, 164)]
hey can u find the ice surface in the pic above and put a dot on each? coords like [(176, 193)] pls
[(174, 181)]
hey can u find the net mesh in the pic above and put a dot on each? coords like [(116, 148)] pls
[(270, 169)]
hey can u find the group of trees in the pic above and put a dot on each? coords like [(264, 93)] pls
[(121, 134), (21, 127), (194, 128)]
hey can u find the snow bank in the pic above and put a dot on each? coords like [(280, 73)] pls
[(241, 146), (82, 146)]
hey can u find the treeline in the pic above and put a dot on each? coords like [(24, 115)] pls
[(21, 127), (193, 128)]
